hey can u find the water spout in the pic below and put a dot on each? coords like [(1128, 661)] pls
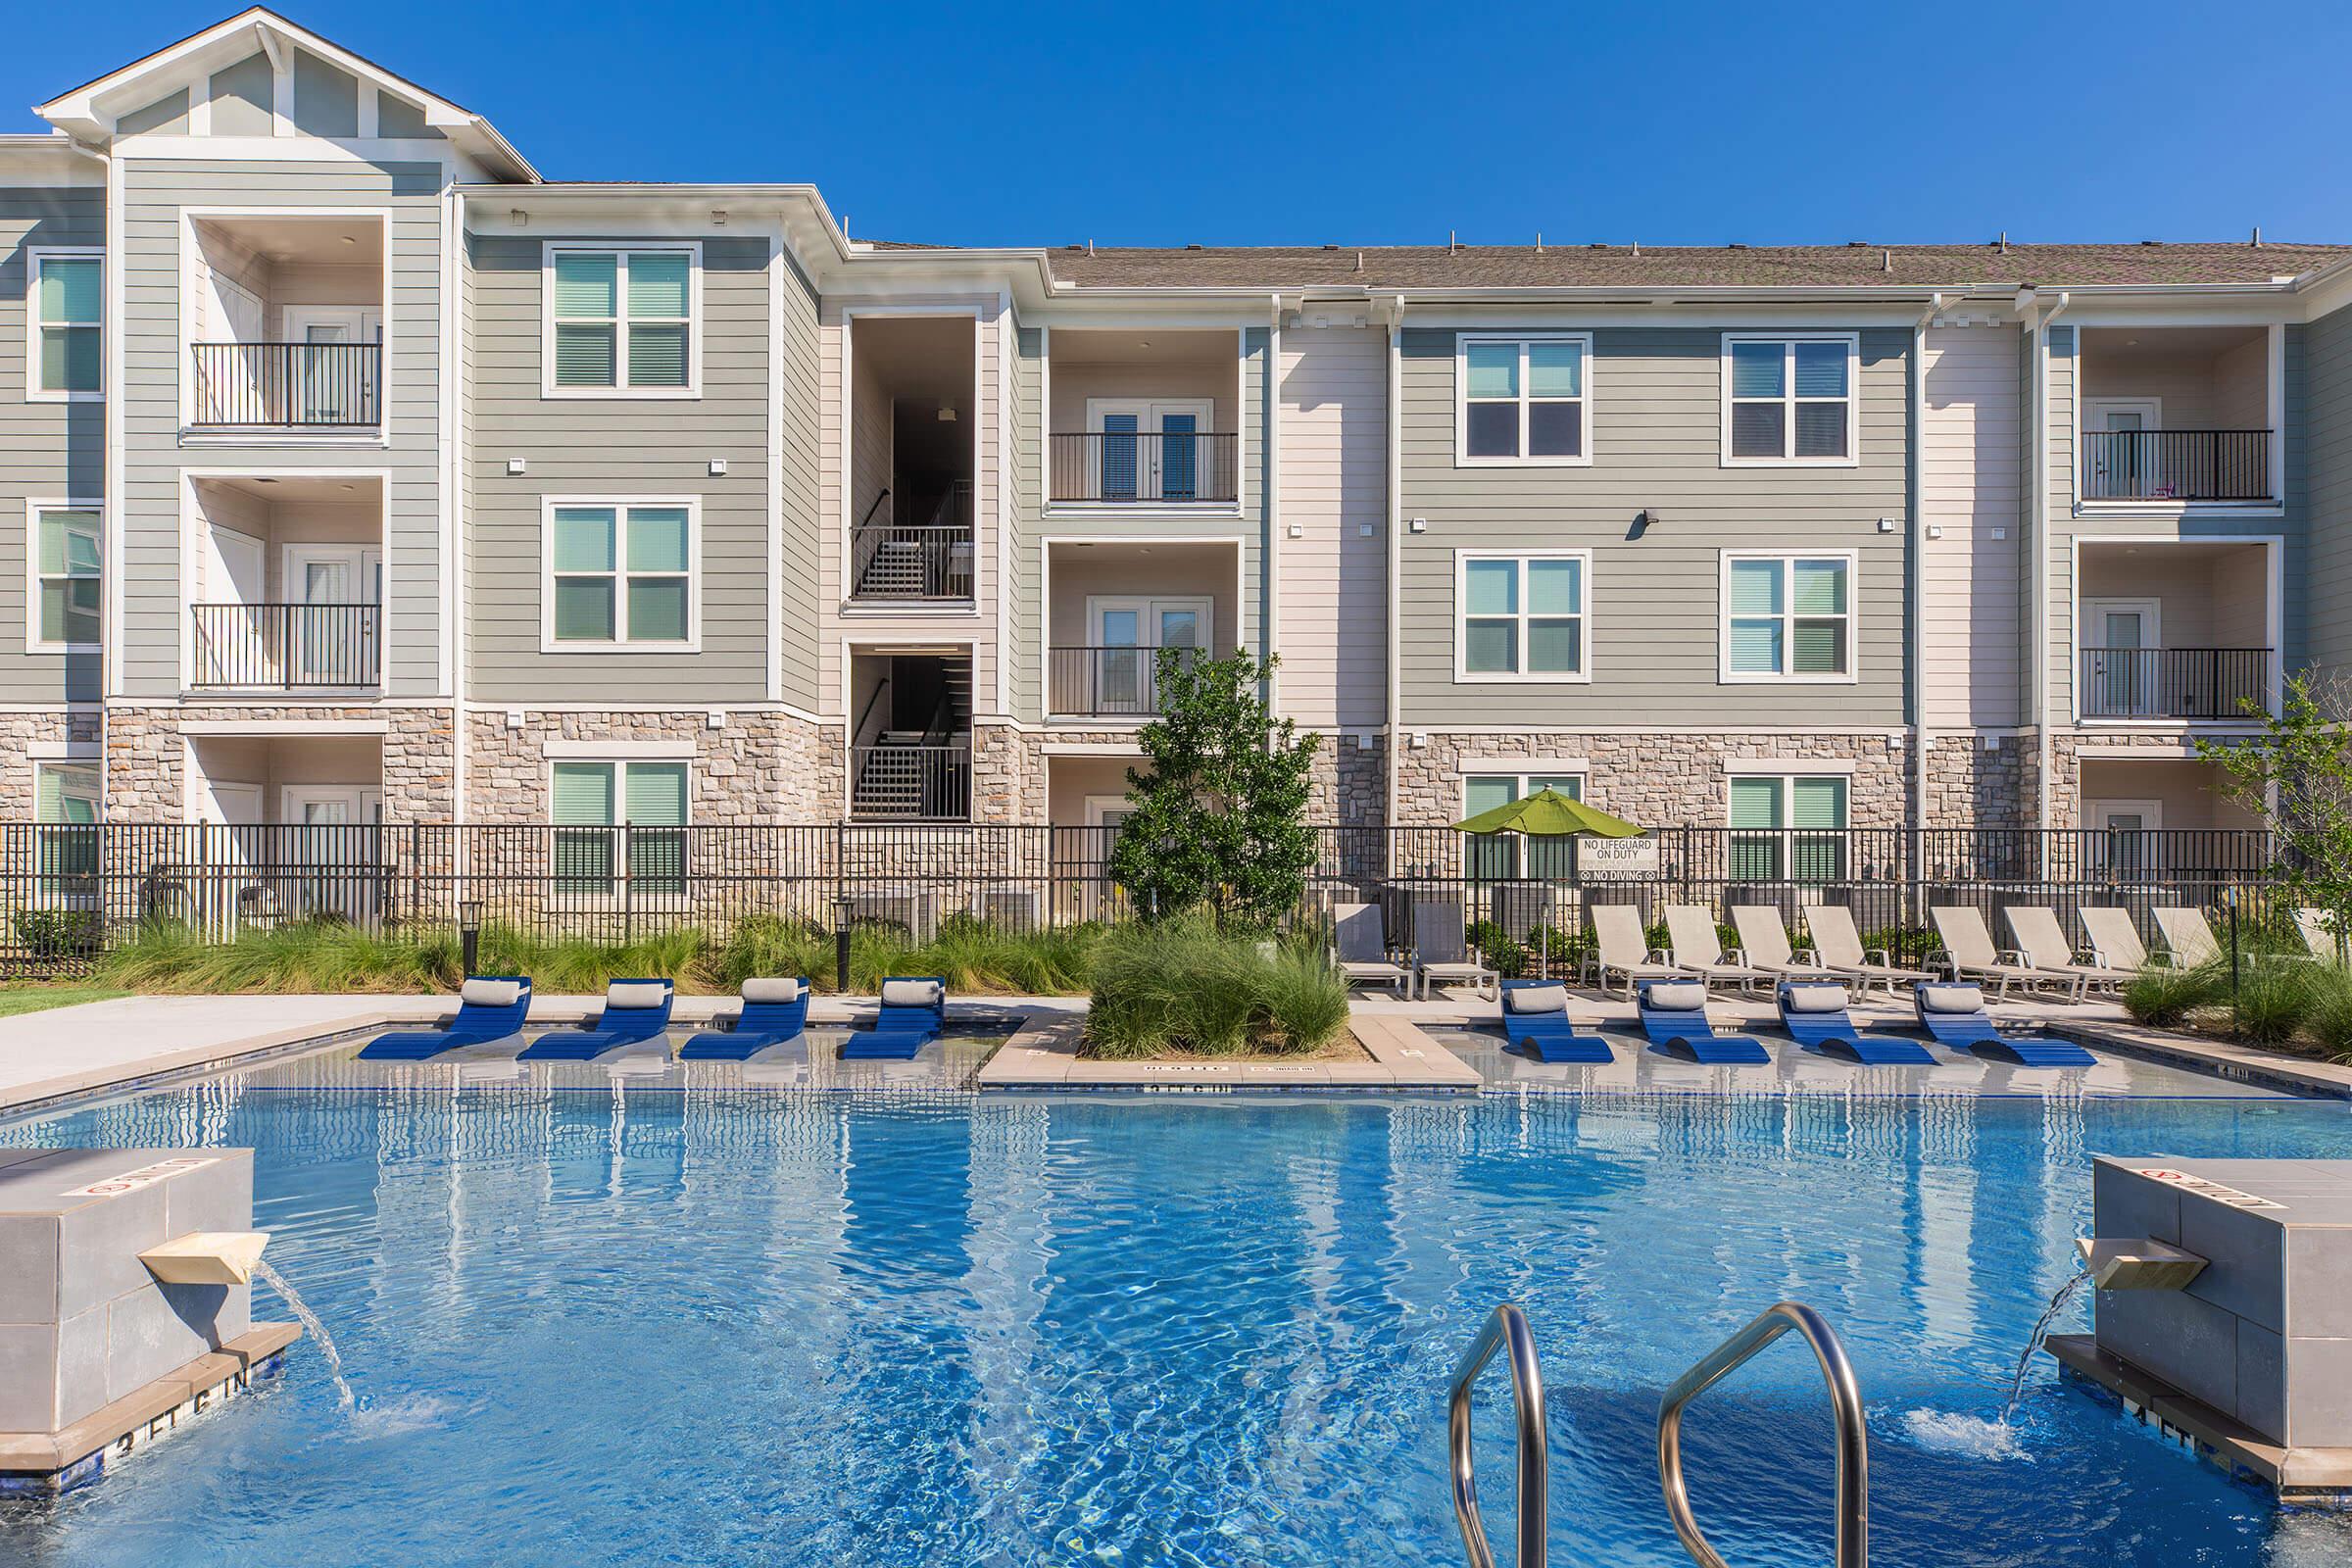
[(2041, 1328), (311, 1326)]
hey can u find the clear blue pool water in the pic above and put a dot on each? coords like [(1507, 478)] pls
[(615, 1323)]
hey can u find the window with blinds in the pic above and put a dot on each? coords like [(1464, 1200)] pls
[(621, 320), (1788, 617), (1521, 616), (620, 574), (1789, 399), (65, 805), (613, 818), (65, 579), (1522, 399), (68, 301), (1787, 829), (1502, 856)]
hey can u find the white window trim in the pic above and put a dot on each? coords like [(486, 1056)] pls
[(620, 504), (34, 256), (692, 250), (1462, 674), (618, 885), (1723, 619), (82, 758), (1786, 774), (34, 507), (1853, 403), (1461, 401)]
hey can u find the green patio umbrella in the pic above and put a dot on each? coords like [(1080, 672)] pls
[(1547, 814)]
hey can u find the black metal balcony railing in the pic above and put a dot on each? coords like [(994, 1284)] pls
[(250, 386), (285, 647), (2177, 466), (2173, 682), (905, 782), (1127, 467), (1104, 682)]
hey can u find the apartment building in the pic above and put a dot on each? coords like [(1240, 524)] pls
[(350, 471)]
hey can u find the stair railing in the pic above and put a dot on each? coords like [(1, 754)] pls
[(1504, 1330)]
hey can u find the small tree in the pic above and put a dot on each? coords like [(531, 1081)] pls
[(1219, 817), (2297, 779)]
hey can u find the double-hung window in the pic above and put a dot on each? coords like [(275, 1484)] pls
[(1788, 399), (619, 818), (1789, 829), (1522, 616), (65, 579), (623, 322), (67, 313), (65, 805), (620, 574), (1498, 857), (1788, 617), (1522, 399)]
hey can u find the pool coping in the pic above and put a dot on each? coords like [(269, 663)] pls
[(50, 1461), (2219, 1059), (1043, 1055)]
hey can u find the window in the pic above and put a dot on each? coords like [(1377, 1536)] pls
[(64, 583), (613, 816), (1522, 399), (65, 803), (622, 320), (1549, 856), (1789, 399), (66, 356), (1788, 617), (1787, 829), (620, 575), (1522, 617)]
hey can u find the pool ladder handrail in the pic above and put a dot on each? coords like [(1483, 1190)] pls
[(1845, 1407), (1505, 1329)]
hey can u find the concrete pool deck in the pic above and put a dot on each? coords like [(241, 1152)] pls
[(63, 1052)]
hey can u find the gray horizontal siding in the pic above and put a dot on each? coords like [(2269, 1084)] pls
[(622, 447), (797, 624), (1656, 449), (46, 449), (2327, 488), (155, 193)]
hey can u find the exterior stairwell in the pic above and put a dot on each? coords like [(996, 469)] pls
[(930, 559), (917, 776)]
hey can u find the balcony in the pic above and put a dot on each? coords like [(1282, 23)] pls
[(2173, 683), (903, 562), (2177, 466), (910, 443), (1105, 682), (273, 386), (1120, 467), (289, 648)]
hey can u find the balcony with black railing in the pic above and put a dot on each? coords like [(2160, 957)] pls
[(1131, 468), (2194, 684), (1104, 682), (286, 386), (285, 647), (908, 781), (2191, 465), (930, 559)]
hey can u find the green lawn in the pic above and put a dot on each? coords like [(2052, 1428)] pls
[(33, 999)]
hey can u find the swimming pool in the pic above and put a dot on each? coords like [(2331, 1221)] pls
[(595, 1318)]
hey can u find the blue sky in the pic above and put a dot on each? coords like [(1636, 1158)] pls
[(1378, 123)]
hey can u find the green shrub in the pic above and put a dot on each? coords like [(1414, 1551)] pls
[(2328, 1016), (1502, 951), (57, 933), (2273, 996), (2162, 997), (1178, 985)]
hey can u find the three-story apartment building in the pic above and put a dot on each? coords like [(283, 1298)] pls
[(350, 470)]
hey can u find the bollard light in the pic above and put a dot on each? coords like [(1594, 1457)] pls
[(470, 934), (841, 942)]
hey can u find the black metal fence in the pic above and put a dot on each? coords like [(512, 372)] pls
[(2173, 682), (1105, 682), (2177, 466), (284, 647), (1120, 466), (261, 385), (68, 892)]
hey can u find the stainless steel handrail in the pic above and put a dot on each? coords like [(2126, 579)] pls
[(1505, 1329), (1846, 1404)]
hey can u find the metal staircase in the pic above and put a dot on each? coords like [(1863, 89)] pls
[(1506, 1330)]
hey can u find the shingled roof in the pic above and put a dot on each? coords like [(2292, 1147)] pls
[(1854, 266)]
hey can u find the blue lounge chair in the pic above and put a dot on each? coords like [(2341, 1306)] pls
[(490, 1007), (1534, 1014), (915, 1009), (634, 1010), (1674, 1015), (773, 1012), (1813, 1011), (1953, 1012)]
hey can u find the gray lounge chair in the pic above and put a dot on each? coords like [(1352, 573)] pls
[(1764, 945), (2311, 924), (1441, 953), (1698, 948), (1359, 948), (2042, 940), (1969, 955), (2114, 938), (2188, 940), (1621, 948), (1840, 948)]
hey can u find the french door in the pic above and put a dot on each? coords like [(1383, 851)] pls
[(1150, 451)]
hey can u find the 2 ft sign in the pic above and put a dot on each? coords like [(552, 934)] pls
[(131, 1180), (2204, 1189)]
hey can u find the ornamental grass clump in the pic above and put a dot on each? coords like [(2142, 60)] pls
[(2328, 1016), (1178, 987), (2274, 997), (2163, 998)]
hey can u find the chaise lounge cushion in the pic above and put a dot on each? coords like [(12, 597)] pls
[(771, 990), (1951, 998), (490, 993), (910, 992), (1535, 998), (1815, 998), (1677, 996), (629, 994)]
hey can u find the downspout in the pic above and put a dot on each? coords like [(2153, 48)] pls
[(1915, 572), (1392, 740), (456, 467), (2040, 577)]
